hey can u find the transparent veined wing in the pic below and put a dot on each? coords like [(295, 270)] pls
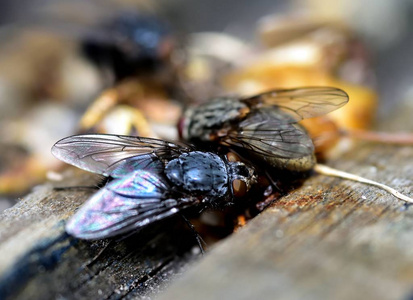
[(116, 155), (270, 134), (301, 103), (126, 204)]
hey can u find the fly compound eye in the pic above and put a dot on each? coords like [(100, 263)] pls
[(232, 157), (239, 188)]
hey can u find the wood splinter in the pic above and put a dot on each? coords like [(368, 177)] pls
[(325, 170)]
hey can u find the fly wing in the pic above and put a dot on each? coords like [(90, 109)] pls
[(125, 204), (267, 133), (301, 103), (115, 155)]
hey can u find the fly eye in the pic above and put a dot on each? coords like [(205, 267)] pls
[(239, 188), (232, 157)]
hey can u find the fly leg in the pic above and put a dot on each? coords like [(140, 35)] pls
[(274, 184), (198, 237)]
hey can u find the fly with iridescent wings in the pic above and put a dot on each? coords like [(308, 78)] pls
[(151, 180)]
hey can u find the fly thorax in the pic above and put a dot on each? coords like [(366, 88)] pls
[(241, 177), (201, 173), (202, 121)]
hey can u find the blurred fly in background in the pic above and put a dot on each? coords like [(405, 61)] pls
[(58, 61)]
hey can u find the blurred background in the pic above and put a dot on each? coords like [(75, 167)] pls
[(68, 67)]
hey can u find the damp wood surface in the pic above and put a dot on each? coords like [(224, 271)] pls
[(328, 239)]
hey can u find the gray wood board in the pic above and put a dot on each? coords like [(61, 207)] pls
[(329, 239), (38, 260)]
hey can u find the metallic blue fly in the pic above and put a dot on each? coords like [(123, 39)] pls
[(152, 179)]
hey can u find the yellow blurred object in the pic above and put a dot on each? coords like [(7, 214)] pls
[(357, 114), (125, 120), (131, 107), (29, 172), (241, 222), (126, 92), (360, 112), (325, 131), (305, 50), (325, 134)]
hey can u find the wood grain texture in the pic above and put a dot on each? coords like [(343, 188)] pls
[(328, 239), (38, 260)]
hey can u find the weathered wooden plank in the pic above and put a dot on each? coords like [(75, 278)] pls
[(329, 239), (40, 261)]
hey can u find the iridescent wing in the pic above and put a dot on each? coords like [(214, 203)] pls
[(300, 103), (270, 133), (126, 204), (116, 155)]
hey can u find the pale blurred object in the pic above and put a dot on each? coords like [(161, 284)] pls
[(155, 118), (309, 41), (132, 107), (43, 86), (222, 46), (381, 23), (60, 58), (44, 67), (38, 129), (209, 55), (311, 52)]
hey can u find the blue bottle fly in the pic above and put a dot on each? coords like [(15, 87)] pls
[(152, 179)]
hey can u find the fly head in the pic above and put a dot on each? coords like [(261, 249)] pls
[(242, 178)]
